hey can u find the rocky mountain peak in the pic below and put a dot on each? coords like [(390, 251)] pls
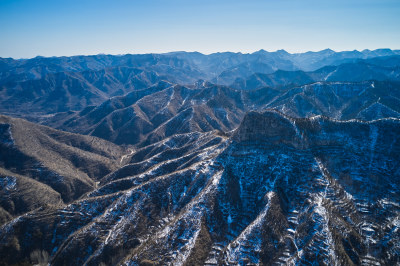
[(268, 126)]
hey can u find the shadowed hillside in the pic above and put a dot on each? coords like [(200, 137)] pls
[(279, 190), (40, 165)]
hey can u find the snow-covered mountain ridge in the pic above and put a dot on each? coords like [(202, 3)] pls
[(278, 190)]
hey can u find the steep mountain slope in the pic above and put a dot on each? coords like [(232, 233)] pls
[(278, 191), (40, 86), (147, 116), (381, 69), (65, 91), (169, 110), (41, 165), (20, 194), (341, 100), (296, 162)]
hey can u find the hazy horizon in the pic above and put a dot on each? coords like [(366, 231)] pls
[(66, 28), (302, 52)]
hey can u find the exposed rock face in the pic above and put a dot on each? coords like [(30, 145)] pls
[(280, 190), (270, 126)]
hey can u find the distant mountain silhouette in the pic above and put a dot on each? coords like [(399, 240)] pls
[(41, 86)]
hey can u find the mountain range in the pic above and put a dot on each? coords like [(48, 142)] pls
[(182, 158), (42, 86)]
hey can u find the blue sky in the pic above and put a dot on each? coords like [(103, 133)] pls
[(73, 27)]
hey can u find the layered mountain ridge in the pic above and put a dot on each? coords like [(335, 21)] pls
[(280, 190), (48, 85), (267, 158), (141, 118)]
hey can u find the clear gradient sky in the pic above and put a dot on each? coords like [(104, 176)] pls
[(29, 28)]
